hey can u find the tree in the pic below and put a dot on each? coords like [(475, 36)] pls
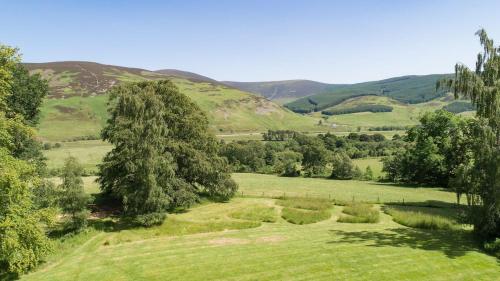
[(73, 198), (26, 94), (287, 163), (164, 156), (479, 176), (368, 173), (342, 167), (22, 240)]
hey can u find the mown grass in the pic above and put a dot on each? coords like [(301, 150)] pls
[(273, 251), (256, 213), (302, 216), (422, 220), (359, 213)]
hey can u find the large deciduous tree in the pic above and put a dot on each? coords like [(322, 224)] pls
[(479, 176), (22, 240), (163, 155)]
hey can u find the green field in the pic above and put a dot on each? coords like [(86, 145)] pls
[(194, 245), (374, 163)]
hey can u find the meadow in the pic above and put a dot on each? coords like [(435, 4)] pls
[(251, 239)]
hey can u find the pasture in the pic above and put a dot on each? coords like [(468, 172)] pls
[(209, 243)]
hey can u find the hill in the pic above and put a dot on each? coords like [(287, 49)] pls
[(186, 75), (283, 91), (76, 107), (407, 89)]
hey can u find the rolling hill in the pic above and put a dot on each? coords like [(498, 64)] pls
[(406, 89), (283, 91), (76, 106)]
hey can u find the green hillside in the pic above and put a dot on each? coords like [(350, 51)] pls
[(401, 114), (407, 89), (77, 105)]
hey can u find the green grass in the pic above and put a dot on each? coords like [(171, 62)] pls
[(89, 153), (419, 219), (258, 185), (260, 213), (314, 204), (277, 251), (302, 216), (359, 213)]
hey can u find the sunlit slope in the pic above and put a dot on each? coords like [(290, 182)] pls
[(77, 105)]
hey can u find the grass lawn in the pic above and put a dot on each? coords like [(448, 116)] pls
[(247, 250), (89, 153), (374, 163), (274, 186)]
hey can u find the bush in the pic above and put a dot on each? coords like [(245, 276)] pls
[(151, 219), (57, 145), (420, 220), (493, 247), (47, 146), (300, 216), (360, 213)]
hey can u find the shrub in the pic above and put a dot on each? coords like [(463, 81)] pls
[(300, 216), (493, 247), (47, 146), (342, 167), (420, 220), (150, 219), (360, 213)]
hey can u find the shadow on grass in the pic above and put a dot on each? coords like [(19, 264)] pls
[(451, 243)]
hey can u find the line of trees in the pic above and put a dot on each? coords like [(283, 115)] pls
[(322, 155), (359, 108)]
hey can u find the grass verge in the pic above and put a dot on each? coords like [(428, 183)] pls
[(300, 216), (421, 220), (359, 213)]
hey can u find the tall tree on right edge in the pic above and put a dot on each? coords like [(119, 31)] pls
[(480, 176)]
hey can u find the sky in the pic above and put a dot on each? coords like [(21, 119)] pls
[(255, 40)]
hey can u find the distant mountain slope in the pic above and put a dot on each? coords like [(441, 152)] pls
[(187, 75), (407, 89), (288, 89), (77, 103)]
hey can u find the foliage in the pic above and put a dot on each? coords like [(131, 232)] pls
[(368, 173), (287, 163), (45, 194), (22, 241), (420, 220), (27, 94), (342, 167), (433, 151), (163, 155), (73, 198), (479, 173), (278, 135), (359, 213)]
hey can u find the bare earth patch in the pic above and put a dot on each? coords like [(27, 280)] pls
[(228, 241), (270, 239)]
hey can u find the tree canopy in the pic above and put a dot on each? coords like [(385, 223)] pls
[(164, 156)]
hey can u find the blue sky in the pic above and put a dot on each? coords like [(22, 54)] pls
[(329, 41)]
